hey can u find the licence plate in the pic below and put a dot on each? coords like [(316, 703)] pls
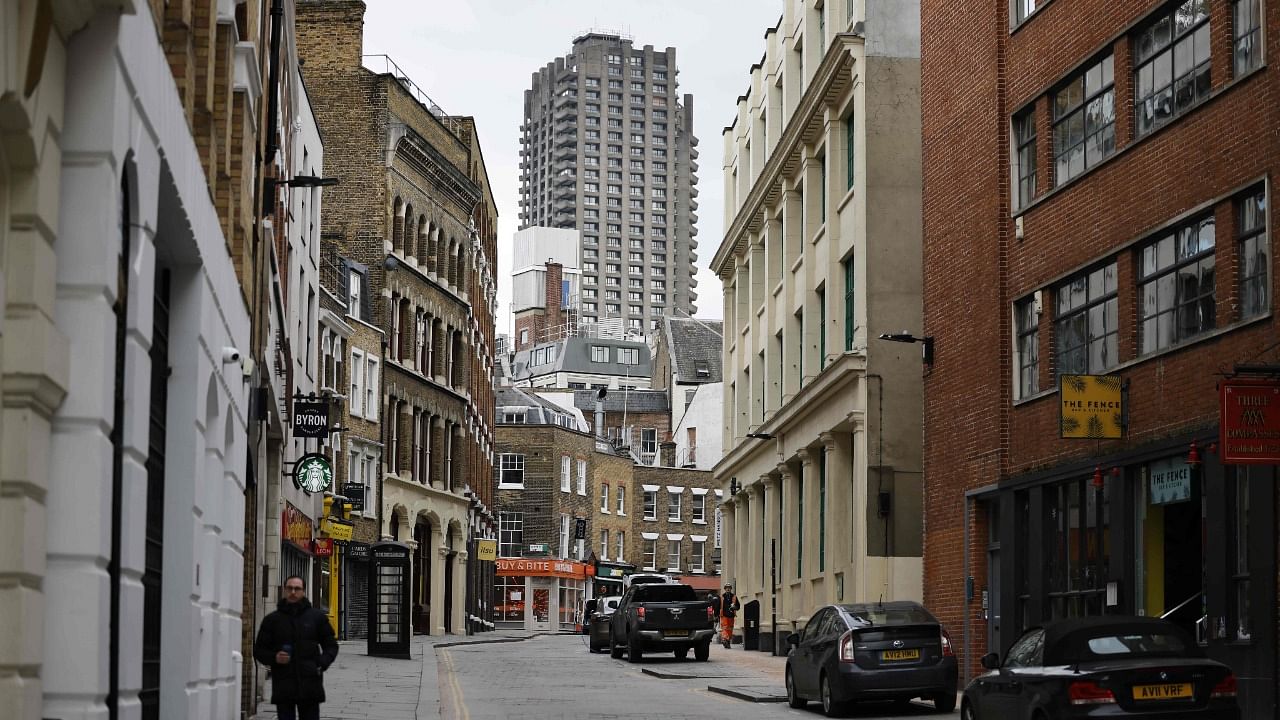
[(900, 654), (675, 633), (1167, 691)]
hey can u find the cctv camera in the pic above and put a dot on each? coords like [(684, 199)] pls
[(230, 355)]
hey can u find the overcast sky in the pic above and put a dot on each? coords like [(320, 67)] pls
[(475, 57)]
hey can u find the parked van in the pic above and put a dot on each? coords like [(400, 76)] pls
[(644, 579)]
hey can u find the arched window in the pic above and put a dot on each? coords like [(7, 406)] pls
[(397, 225)]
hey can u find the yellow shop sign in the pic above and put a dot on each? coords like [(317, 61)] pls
[(341, 532), (1092, 406)]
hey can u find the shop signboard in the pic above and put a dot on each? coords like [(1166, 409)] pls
[(1250, 421), (538, 549), (354, 493), (312, 473), (1170, 481), (556, 568), (295, 527), (486, 550), (324, 547), (1092, 406), (358, 551), (339, 531), (311, 419)]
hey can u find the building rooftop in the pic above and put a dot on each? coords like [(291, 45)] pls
[(619, 400), (696, 349), (575, 355)]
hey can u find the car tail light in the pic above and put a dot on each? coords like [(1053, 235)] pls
[(711, 615), (1087, 692), (1226, 687), (846, 648), (640, 613), (947, 651)]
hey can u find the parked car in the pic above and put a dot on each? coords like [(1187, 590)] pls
[(664, 618), (597, 621), (1111, 666), (882, 651)]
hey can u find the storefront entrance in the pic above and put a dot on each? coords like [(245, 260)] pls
[(540, 608), (1170, 540)]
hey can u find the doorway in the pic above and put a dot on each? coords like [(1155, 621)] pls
[(540, 608), (1171, 537), (991, 595)]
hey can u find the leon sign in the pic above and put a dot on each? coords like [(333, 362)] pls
[(1250, 421)]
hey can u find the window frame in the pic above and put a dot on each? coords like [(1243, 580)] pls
[(1026, 337), (1063, 116), (1174, 40), (1025, 147), (517, 465), (1258, 235), (675, 509), (1062, 318), (673, 552), (565, 480), (622, 500), (650, 505), (650, 553), (604, 499), (582, 477), (506, 521), (698, 509), (1254, 34), (1147, 278)]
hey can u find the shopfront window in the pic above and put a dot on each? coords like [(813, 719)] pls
[(570, 603), (1077, 547), (510, 593)]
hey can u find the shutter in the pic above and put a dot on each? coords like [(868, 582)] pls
[(357, 593)]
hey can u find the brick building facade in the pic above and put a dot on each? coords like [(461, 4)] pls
[(1097, 189), (413, 235)]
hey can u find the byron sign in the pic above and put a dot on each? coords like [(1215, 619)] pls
[(1249, 421), (311, 419)]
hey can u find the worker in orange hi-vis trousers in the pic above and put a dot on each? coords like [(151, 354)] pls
[(728, 610)]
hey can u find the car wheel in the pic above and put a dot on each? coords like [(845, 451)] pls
[(966, 711), (793, 697), (830, 707), (615, 650), (944, 702), (634, 653), (593, 647), (702, 651)]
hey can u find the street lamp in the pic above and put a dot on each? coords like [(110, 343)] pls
[(760, 435), (906, 337)]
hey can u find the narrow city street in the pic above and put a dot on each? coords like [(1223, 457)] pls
[(554, 676), (501, 676)]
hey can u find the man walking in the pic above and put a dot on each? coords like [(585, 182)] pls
[(296, 643), (728, 610)]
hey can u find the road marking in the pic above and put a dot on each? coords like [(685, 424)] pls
[(457, 701)]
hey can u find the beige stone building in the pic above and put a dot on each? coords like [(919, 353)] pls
[(821, 255)]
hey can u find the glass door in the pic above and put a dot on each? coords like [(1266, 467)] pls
[(540, 608)]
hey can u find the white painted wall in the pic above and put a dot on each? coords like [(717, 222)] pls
[(123, 113), (704, 413)]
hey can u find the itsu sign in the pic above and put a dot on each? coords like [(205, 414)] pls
[(311, 419)]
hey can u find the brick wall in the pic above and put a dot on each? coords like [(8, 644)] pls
[(976, 265), (542, 500)]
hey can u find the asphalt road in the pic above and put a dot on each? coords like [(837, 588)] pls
[(556, 677)]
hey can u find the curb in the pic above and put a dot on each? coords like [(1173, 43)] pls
[(494, 641), (744, 694)]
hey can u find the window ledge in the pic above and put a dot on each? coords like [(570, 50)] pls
[(605, 512), (699, 522), (821, 233), (796, 265), (510, 487), (621, 514), (1136, 142)]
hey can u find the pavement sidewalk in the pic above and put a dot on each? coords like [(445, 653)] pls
[(756, 676), (359, 686)]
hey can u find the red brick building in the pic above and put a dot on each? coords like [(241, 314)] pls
[(1096, 198)]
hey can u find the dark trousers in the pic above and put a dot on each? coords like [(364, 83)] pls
[(298, 711)]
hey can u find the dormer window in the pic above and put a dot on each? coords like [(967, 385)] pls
[(702, 369)]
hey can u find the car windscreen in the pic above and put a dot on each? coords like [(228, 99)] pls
[(889, 614), (664, 593)]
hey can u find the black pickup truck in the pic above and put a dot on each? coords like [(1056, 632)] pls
[(661, 618)]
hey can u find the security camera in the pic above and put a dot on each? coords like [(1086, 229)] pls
[(230, 355)]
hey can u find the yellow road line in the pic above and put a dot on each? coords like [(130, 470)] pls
[(457, 700)]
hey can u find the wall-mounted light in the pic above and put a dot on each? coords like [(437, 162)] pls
[(926, 351), (760, 435)]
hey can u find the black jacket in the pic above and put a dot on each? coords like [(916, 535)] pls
[(729, 606), (314, 649)]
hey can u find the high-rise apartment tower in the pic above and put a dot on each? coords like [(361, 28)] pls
[(607, 147)]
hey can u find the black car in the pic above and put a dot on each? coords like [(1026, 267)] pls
[(1103, 667), (880, 651), (661, 618), (598, 621)]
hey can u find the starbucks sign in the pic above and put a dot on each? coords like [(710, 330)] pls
[(312, 473)]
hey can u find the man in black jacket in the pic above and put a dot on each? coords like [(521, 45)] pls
[(297, 644)]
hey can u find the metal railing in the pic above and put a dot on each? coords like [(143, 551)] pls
[(384, 65)]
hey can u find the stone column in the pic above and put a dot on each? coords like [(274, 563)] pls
[(439, 566), (772, 486), (459, 570), (807, 488), (837, 473)]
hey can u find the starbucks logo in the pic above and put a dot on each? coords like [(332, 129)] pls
[(312, 473)]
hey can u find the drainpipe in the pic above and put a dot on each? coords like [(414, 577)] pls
[(273, 83)]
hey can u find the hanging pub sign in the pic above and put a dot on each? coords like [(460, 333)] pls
[(1170, 481), (1092, 406), (486, 550), (1249, 421), (337, 530), (579, 528), (312, 473), (311, 419)]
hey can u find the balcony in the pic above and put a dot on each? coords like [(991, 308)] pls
[(564, 153), (563, 113), (564, 100)]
